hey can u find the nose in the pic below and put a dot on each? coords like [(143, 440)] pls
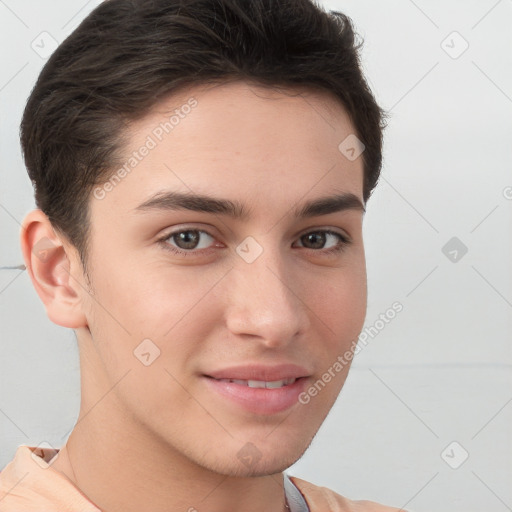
[(265, 302)]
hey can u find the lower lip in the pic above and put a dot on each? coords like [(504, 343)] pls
[(259, 400)]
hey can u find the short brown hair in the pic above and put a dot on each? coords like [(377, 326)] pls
[(128, 54)]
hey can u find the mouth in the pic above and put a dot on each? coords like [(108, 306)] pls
[(261, 390), (274, 384)]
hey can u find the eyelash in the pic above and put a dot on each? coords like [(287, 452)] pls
[(341, 246)]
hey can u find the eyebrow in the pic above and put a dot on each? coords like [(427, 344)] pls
[(171, 201)]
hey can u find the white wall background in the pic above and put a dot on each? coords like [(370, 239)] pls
[(440, 371)]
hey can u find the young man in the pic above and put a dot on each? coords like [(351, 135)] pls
[(201, 171)]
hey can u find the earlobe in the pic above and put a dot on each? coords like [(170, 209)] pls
[(49, 264)]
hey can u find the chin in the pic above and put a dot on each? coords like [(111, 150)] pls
[(253, 460)]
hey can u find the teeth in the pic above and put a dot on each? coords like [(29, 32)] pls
[(276, 384), (256, 383)]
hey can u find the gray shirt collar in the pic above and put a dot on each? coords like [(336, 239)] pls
[(295, 500)]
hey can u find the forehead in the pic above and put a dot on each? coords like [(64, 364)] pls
[(239, 139), (256, 106)]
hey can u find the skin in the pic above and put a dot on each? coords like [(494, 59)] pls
[(157, 434)]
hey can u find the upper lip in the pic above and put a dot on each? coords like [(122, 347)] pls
[(260, 372)]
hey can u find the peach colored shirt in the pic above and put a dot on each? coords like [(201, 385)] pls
[(29, 484)]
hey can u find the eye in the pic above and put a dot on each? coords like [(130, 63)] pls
[(187, 241), (318, 239)]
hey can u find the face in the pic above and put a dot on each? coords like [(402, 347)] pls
[(228, 312)]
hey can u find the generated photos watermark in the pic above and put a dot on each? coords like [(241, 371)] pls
[(157, 135), (345, 359)]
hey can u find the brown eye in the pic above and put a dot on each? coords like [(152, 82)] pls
[(187, 241), (314, 240), (317, 240)]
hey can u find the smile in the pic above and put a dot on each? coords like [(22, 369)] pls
[(275, 384), (262, 397)]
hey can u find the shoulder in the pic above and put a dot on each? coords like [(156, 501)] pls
[(322, 499)]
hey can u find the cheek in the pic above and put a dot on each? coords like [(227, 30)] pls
[(174, 309), (340, 311), (340, 303)]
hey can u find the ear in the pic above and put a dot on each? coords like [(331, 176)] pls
[(54, 270)]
